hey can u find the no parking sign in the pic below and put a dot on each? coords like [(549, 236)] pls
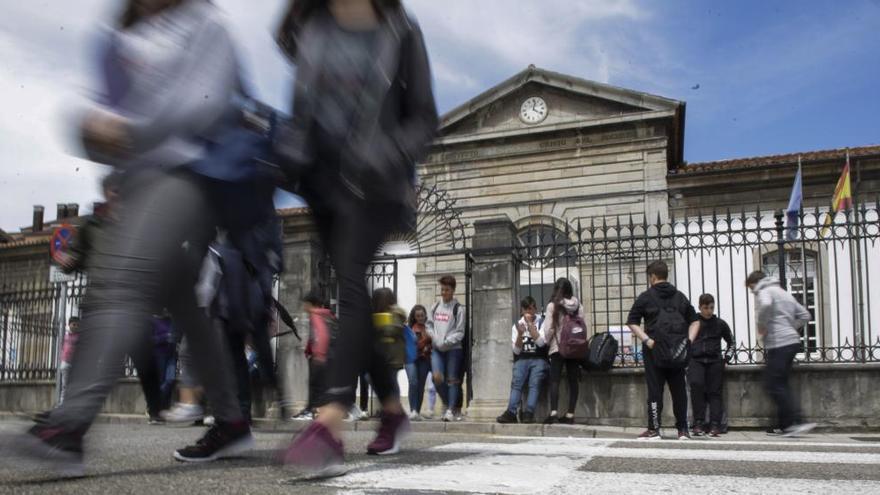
[(61, 241)]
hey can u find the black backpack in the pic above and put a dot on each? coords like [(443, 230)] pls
[(672, 348), (603, 351)]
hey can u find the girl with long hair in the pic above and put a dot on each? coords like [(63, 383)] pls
[(363, 114), (419, 368), (562, 303)]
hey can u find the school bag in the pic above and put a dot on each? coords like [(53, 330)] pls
[(390, 341), (670, 333), (573, 342), (603, 351)]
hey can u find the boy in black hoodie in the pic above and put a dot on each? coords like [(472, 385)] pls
[(706, 370), (663, 297)]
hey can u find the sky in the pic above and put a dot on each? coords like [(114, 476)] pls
[(759, 76)]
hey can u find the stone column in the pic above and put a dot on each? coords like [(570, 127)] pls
[(302, 272), (494, 284)]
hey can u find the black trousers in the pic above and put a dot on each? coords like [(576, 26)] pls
[(351, 232), (317, 372), (779, 363), (706, 379), (656, 378), (572, 374)]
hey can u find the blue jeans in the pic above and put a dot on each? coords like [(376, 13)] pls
[(417, 374), (531, 371), (446, 367)]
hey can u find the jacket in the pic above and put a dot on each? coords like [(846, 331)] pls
[(381, 151), (707, 345), (645, 306), (446, 325), (321, 322), (779, 313), (550, 328), (174, 76), (70, 340)]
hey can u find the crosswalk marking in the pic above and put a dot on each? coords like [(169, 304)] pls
[(519, 466)]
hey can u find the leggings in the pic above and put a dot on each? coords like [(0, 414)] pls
[(572, 372)]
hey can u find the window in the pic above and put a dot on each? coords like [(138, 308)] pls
[(802, 282), (545, 254)]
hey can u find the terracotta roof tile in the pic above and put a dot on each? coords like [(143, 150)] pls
[(772, 160)]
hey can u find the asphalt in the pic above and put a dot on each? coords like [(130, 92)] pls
[(132, 457)]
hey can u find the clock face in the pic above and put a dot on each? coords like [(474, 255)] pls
[(533, 110)]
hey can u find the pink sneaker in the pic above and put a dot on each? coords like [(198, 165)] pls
[(392, 429), (314, 449)]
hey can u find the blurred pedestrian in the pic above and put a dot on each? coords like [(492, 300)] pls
[(779, 317), (170, 84), (363, 114)]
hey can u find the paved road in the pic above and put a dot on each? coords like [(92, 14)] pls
[(136, 459)]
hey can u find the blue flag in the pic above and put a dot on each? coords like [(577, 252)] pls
[(793, 212)]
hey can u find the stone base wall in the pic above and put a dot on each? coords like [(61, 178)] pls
[(836, 396)]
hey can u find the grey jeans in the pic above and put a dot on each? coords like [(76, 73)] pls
[(148, 259)]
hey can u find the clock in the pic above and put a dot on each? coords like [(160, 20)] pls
[(533, 110)]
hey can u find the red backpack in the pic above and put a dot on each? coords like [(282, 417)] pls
[(573, 343)]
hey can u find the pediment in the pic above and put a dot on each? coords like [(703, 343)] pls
[(568, 100)]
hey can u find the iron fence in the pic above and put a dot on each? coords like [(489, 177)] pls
[(828, 262)]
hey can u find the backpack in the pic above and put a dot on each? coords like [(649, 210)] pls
[(671, 344), (572, 341), (390, 339), (603, 352)]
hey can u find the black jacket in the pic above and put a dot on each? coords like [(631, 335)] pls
[(707, 346), (646, 308), (382, 152)]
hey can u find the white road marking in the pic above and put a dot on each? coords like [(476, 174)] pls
[(550, 465)]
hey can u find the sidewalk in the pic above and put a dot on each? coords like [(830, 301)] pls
[(509, 430)]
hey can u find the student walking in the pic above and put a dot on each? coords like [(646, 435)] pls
[(363, 114), (779, 316)]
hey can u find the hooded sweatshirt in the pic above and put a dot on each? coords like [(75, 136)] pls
[(446, 325), (646, 306), (551, 328), (779, 313)]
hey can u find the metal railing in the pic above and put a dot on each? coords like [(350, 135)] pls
[(828, 262)]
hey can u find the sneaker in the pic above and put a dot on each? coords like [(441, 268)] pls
[(649, 435), (392, 429), (715, 432), (774, 432), (698, 431), (355, 414), (427, 415), (683, 435), (415, 416), (46, 449), (183, 413), (566, 420), (798, 429), (508, 417), (41, 417), (314, 450), (448, 416), (155, 421), (528, 418), (208, 421), (551, 419), (221, 440), (304, 415)]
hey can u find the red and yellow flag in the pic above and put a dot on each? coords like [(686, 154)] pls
[(842, 199)]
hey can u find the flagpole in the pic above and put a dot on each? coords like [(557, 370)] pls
[(804, 274), (858, 294)]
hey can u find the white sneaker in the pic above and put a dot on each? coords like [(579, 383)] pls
[(305, 415), (448, 416), (458, 416), (209, 421), (796, 430), (428, 415), (183, 413), (414, 416), (355, 414)]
